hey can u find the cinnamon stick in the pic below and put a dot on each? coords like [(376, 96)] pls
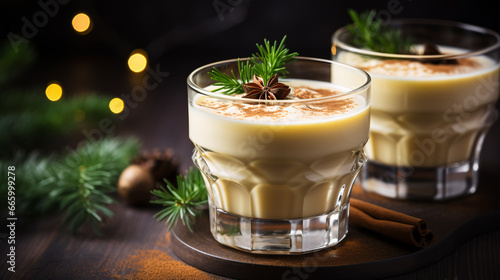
[(393, 224)]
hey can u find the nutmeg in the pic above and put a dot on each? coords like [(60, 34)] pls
[(135, 185)]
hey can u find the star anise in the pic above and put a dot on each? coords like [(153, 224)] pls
[(272, 90)]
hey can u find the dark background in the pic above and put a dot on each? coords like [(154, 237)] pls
[(179, 36)]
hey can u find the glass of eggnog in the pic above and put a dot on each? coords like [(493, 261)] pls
[(279, 172), (431, 108)]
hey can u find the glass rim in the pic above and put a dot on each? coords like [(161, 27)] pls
[(209, 66), (422, 21)]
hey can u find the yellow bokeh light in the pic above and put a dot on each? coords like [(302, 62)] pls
[(334, 50), (53, 92), (81, 23), (116, 105), (137, 61)]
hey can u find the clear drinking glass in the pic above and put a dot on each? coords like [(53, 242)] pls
[(279, 172), (429, 114)]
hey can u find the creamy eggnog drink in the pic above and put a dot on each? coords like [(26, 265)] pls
[(430, 113), (279, 172)]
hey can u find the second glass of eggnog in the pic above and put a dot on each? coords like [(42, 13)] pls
[(279, 172), (430, 113)]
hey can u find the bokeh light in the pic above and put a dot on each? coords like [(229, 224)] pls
[(116, 105), (82, 23), (334, 49), (138, 61), (53, 92)]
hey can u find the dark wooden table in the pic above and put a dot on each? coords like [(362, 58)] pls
[(463, 249), (467, 246)]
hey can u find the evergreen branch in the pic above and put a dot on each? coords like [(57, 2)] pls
[(231, 84), (371, 33), (246, 71), (181, 203), (227, 84), (269, 60), (92, 172), (34, 179), (77, 183)]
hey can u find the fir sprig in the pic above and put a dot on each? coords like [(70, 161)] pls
[(87, 176), (269, 60), (230, 84), (182, 202), (77, 183), (370, 32), (34, 175)]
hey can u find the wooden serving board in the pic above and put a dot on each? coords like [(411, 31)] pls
[(362, 254)]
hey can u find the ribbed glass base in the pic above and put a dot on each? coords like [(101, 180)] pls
[(429, 183), (267, 236)]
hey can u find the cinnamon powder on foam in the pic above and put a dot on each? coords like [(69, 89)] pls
[(407, 68), (252, 110)]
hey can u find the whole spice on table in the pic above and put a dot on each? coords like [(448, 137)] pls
[(135, 184), (161, 163), (145, 173), (393, 224)]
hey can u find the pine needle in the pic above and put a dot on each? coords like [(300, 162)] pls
[(78, 183), (370, 32), (269, 60), (182, 202)]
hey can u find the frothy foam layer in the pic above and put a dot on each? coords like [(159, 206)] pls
[(252, 110), (407, 68), (417, 69)]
